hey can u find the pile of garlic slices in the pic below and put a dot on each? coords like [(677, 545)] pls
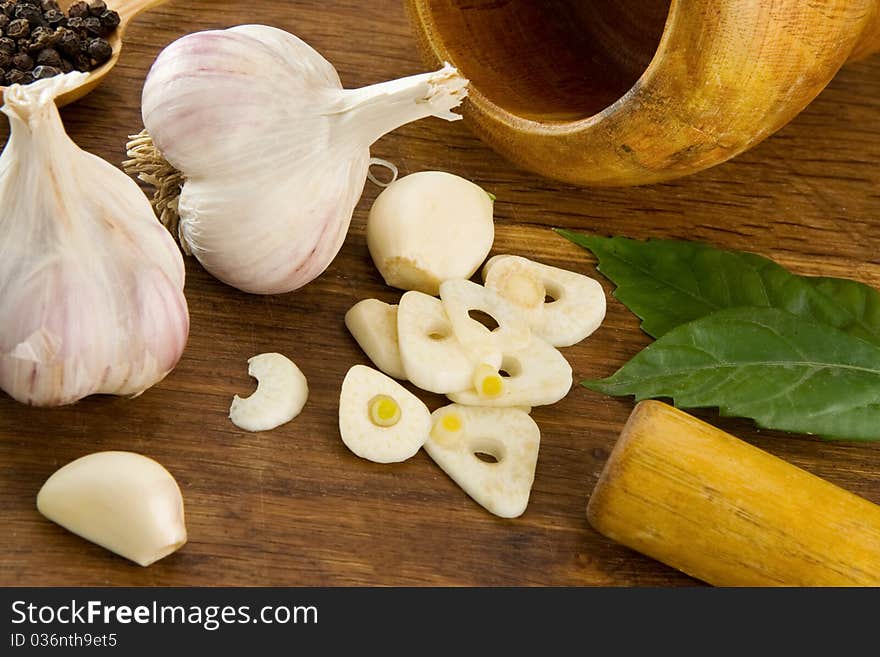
[(485, 440)]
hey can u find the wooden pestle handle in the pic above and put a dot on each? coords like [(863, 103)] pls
[(723, 511)]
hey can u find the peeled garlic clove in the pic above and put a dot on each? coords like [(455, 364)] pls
[(379, 419), (429, 227), (578, 302), (538, 375), (373, 324), (460, 435), (432, 357), (273, 150), (281, 394), (124, 502), (461, 298), (91, 285)]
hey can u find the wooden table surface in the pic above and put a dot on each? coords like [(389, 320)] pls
[(293, 506)]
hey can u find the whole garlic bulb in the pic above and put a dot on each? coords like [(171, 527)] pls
[(273, 150), (91, 284)]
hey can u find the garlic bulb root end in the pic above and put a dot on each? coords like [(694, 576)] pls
[(150, 166)]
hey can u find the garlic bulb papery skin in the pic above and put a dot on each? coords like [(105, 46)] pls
[(274, 151), (91, 284)]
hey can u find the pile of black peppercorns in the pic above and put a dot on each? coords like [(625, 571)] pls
[(38, 41)]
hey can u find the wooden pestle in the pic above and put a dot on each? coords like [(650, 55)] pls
[(723, 511)]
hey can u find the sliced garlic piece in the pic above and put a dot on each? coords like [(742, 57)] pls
[(124, 502), (432, 357), (428, 227), (577, 308), (461, 298), (379, 419), (523, 289), (490, 452), (282, 391), (538, 375), (373, 324)]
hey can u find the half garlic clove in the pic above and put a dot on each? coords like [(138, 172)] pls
[(461, 298), (124, 502), (433, 359), (490, 452), (536, 376), (578, 302), (373, 324), (282, 392), (379, 419)]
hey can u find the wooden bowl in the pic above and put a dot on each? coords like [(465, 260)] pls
[(638, 91), (128, 11)]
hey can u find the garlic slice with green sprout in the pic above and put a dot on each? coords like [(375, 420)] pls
[(91, 284), (273, 151)]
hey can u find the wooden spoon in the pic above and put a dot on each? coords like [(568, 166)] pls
[(128, 11)]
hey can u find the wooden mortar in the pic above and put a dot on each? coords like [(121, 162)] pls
[(639, 91)]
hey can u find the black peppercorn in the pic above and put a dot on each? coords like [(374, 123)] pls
[(54, 18), (37, 39), (16, 76), (100, 51), (29, 13), (82, 62), (49, 57), (97, 7), (41, 37), (43, 72), (110, 20), (69, 43), (18, 29), (93, 26), (76, 23), (78, 10), (22, 61)]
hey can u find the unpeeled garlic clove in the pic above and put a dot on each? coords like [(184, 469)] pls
[(538, 375), (429, 227), (508, 435), (460, 298), (379, 419), (577, 308), (124, 502), (282, 392), (373, 324), (432, 357)]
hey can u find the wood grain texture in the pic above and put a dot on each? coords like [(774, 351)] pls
[(293, 506)]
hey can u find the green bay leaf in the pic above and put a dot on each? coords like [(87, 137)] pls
[(859, 305), (780, 370), (667, 283)]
